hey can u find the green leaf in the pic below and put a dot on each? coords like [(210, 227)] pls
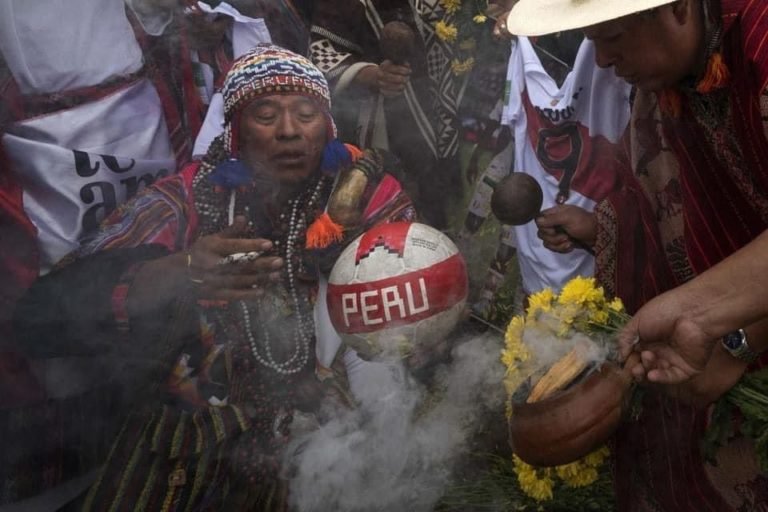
[(719, 430)]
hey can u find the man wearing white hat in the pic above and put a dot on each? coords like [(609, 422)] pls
[(697, 192)]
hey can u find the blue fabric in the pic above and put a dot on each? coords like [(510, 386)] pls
[(335, 156), (231, 174)]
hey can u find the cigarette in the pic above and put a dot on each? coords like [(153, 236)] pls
[(239, 257)]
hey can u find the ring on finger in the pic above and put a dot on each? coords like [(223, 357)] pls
[(192, 279)]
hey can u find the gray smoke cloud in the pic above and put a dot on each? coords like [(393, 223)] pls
[(397, 449)]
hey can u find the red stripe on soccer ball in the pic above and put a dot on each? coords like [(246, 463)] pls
[(376, 305), (392, 236)]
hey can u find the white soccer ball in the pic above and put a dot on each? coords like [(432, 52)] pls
[(397, 288)]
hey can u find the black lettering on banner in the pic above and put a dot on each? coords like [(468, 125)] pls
[(566, 134), (96, 213), (114, 166), (83, 164), (84, 168)]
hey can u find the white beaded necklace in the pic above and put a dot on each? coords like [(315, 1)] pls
[(304, 329)]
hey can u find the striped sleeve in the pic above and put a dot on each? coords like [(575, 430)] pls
[(163, 214)]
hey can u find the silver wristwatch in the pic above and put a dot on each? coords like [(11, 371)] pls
[(736, 343)]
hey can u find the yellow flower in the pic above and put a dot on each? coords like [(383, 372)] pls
[(581, 291), (568, 472), (446, 32), (514, 350), (480, 18), (459, 68), (598, 316), (508, 410), (514, 353), (564, 318), (583, 472), (597, 457), (540, 301), (535, 483), (512, 380), (581, 478), (514, 332), (616, 305), (563, 330), (450, 6), (511, 356)]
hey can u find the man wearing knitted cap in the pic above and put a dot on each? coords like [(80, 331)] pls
[(696, 192), (215, 271)]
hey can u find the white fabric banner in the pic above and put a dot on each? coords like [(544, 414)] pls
[(213, 125), (57, 45), (78, 165)]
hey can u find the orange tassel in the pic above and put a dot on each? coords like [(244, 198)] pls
[(716, 76), (670, 103), (323, 232), (354, 151)]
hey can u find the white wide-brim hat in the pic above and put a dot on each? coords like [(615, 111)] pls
[(541, 17)]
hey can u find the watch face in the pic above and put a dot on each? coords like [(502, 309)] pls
[(733, 340)]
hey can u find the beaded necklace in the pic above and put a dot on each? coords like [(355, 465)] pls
[(304, 328), (216, 211)]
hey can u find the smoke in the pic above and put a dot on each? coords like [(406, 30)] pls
[(547, 348), (397, 449)]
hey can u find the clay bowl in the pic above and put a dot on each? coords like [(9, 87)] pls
[(570, 424)]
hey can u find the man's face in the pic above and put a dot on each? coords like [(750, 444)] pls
[(285, 135), (652, 50)]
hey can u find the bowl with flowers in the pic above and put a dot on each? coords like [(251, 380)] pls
[(566, 391)]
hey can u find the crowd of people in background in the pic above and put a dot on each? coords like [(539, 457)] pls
[(144, 141), (102, 100)]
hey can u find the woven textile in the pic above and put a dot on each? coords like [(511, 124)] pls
[(268, 70)]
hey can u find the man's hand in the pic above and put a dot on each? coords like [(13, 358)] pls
[(561, 225), (677, 331), (165, 279), (721, 373), (392, 78), (672, 347), (232, 281), (388, 78)]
